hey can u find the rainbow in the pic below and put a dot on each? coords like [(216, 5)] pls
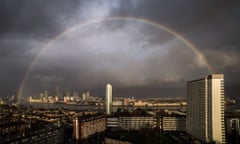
[(103, 19)]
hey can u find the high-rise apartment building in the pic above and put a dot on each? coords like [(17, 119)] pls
[(205, 109), (108, 99)]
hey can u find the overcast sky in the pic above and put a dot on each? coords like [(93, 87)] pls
[(137, 58)]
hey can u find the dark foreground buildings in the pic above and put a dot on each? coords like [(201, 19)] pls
[(20, 131)]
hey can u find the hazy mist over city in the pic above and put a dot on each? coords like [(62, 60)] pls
[(143, 48)]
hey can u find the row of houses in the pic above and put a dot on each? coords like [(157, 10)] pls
[(141, 119), (83, 127), (164, 121)]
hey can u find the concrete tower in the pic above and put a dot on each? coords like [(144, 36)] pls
[(205, 108), (108, 99)]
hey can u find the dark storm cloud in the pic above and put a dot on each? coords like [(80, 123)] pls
[(203, 22), (182, 15), (35, 18), (213, 26), (124, 56), (136, 55)]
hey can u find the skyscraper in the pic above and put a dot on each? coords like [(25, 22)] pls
[(205, 108), (108, 99)]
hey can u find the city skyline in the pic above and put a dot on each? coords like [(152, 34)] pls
[(144, 49)]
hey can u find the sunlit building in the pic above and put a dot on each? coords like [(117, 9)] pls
[(136, 120), (171, 120), (108, 99), (205, 109), (76, 132), (88, 125)]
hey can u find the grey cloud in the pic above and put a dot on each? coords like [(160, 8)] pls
[(35, 18), (117, 57), (226, 61)]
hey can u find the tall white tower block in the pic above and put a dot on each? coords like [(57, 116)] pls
[(108, 99), (205, 109)]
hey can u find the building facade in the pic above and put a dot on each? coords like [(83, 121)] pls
[(11, 126), (137, 122), (131, 122), (108, 99), (112, 122), (86, 126), (173, 123), (171, 120), (205, 108), (47, 134), (140, 119), (134, 120), (233, 126)]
